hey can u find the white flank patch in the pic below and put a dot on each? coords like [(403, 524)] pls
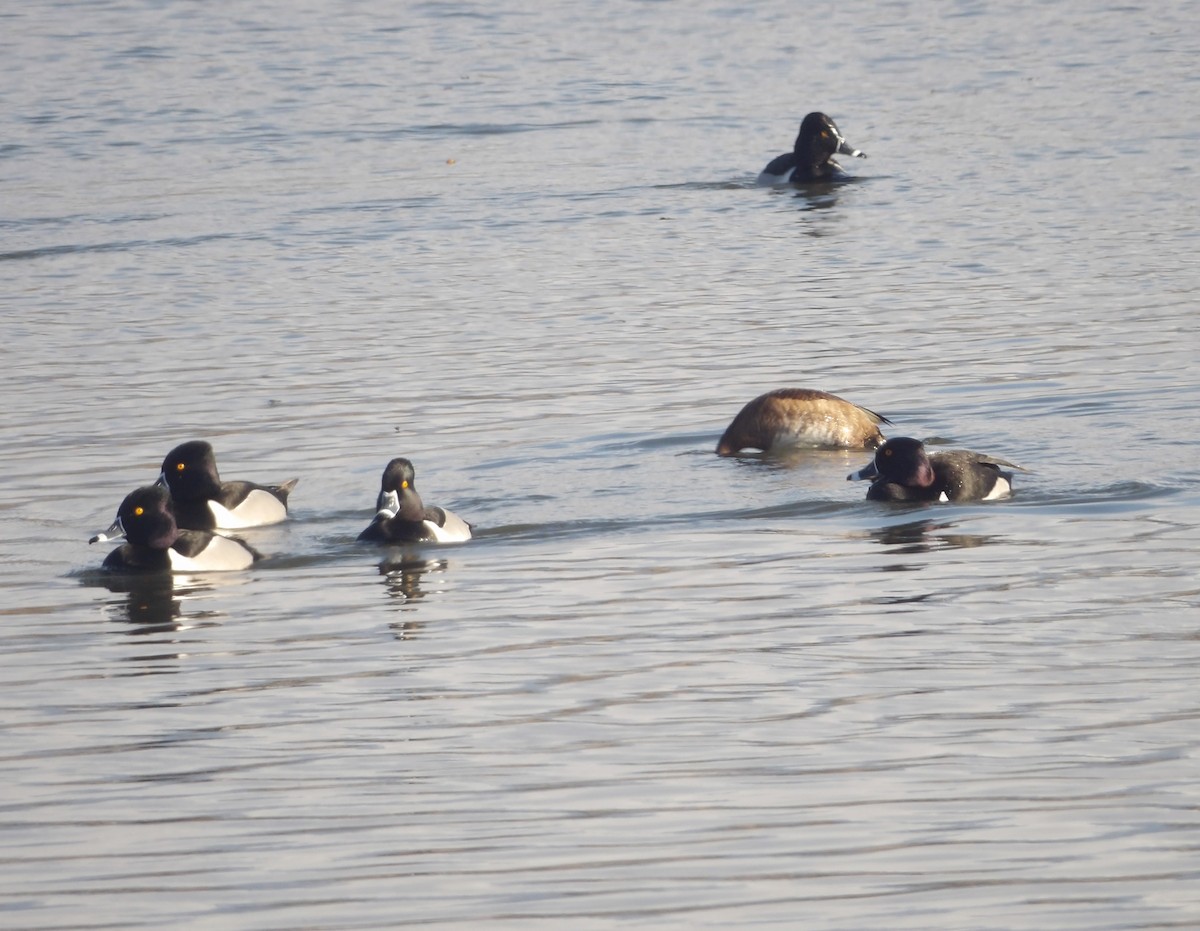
[(259, 508), (221, 555), (1002, 489), (456, 530)]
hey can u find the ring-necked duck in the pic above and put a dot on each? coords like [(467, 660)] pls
[(812, 157), (791, 417), (204, 502), (903, 471), (155, 543), (403, 518)]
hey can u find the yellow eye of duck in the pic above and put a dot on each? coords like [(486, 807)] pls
[(179, 467), (138, 512), (404, 483)]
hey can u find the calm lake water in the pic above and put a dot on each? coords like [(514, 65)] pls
[(521, 245)]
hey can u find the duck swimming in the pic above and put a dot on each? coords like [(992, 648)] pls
[(403, 518), (204, 502), (811, 158), (155, 542), (801, 417), (903, 471)]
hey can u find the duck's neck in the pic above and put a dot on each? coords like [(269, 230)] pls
[(411, 505)]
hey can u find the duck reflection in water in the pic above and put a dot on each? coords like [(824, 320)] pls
[(406, 578), (153, 603), (926, 535)]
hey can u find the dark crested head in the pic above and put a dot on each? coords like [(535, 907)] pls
[(397, 491), (147, 517), (903, 460), (816, 122), (820, 139), (190, 471), (398, 475)]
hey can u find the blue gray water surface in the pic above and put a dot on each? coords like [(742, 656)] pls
[(521, 245)]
